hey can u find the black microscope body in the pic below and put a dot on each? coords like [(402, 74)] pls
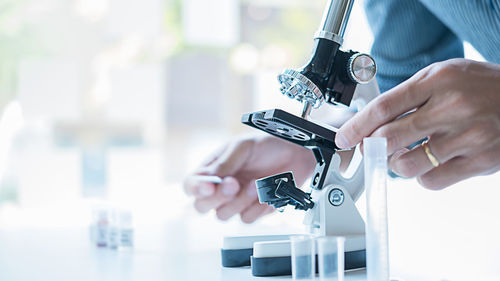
[(331, 75)]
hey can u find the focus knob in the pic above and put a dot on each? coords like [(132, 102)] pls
[(361, 68)]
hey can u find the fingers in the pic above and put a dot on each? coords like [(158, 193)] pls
[(392, 161), (383, 109), (255, 211), (462, 131), (213, 156), (242, 201), (405, 131), (231, 160), (451, 172), (412, 163), (225, 162), (194, 187), (225, 192), (443, 147)]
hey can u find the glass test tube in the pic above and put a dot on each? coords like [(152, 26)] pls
[(303, 257), (331, 258), (377, 251)]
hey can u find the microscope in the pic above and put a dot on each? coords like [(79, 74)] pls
[(331, 76)]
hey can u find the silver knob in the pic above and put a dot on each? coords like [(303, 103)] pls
[(362, 68), (336, 197), (297, 86)]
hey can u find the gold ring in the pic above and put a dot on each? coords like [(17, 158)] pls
[(431, 156)]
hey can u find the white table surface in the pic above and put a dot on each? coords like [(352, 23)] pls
[(66, 254), (446, 235)]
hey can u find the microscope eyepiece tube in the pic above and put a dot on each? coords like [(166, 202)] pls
[(335, 18)]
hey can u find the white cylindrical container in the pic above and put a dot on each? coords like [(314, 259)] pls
[(303, 257), (377, 245), (331, 258)]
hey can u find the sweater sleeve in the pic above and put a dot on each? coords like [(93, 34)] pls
[(477, 22), (407, 38)]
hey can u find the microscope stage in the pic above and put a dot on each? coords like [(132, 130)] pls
[(290, 127)]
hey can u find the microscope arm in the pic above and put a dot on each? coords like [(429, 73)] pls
[(335, 212), (353, 184)]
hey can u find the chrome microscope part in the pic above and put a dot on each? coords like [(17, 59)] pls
[(362, 68), (331, 75), (335, 18), (336, 197)]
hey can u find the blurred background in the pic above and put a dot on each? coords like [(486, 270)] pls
[(119, 99), (116, 100)]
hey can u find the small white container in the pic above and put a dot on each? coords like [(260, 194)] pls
[(331, 258), (303, 257)]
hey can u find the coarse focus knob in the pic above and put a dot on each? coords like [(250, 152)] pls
[(297, 86), (362, 68)]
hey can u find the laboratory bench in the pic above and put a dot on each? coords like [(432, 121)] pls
[(61, 254), (446, 235)]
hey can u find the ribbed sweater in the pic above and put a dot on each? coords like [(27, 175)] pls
[(411, 34)]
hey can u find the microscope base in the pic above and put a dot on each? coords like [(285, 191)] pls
[(278, 266), (237, 250), (270, 255)]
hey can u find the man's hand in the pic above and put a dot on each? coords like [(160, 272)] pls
[(456, 104), (240, 163)]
